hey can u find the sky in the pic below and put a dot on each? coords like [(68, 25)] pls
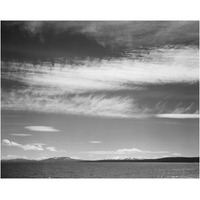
[(98, 90)]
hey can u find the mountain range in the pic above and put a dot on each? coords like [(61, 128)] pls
[(68, 159)]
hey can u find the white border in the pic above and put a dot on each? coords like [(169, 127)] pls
[(102, 189), (100, 10), (110, 189)]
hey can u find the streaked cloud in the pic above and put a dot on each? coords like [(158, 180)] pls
[(94, 105), (95, 142), (26, 147), (98, 105), (159, 66), (178, 112), (21, 134), (41, 128), (81, 89)]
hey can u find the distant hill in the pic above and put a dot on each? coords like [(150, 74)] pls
[(18, 160), (47, 160), (68, 159), (59, 159), (166, 159)]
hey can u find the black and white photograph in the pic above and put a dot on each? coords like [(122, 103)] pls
[(100, 99)]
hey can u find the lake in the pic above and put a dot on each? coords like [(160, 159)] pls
[(100, 170)]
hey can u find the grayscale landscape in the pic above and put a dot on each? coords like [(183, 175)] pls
[(99, 99)]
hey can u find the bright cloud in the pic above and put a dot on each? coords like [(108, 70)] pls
[(95, 142), (133, 150), (51, 148), (26, 147), (176, 154), (126, 151), (178, 116), (10, 156), (41, 128)]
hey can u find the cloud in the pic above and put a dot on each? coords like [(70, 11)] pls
[(134, 34), (126, 151), (176, 154), (10, 156), (94, 105), (158, 66), (27, 147), (178, 116), (95, 142), (89, 105), (21, 134), (83, 89), (41, 128), (133, 150), (75, 157), (178, 112), (51, 148), (143, 33)]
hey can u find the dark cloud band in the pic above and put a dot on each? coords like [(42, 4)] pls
[(53, 40)]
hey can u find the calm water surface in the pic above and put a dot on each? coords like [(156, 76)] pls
[(100, 170)]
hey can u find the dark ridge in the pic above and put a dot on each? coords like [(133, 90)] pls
[(68, 159), (166, 160), (18, 160), (58, 159), (48, 160)]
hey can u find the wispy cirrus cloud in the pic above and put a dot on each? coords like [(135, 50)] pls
[(98, 105), (95, 105), (80, 89), (158, 66), (179, 112)]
